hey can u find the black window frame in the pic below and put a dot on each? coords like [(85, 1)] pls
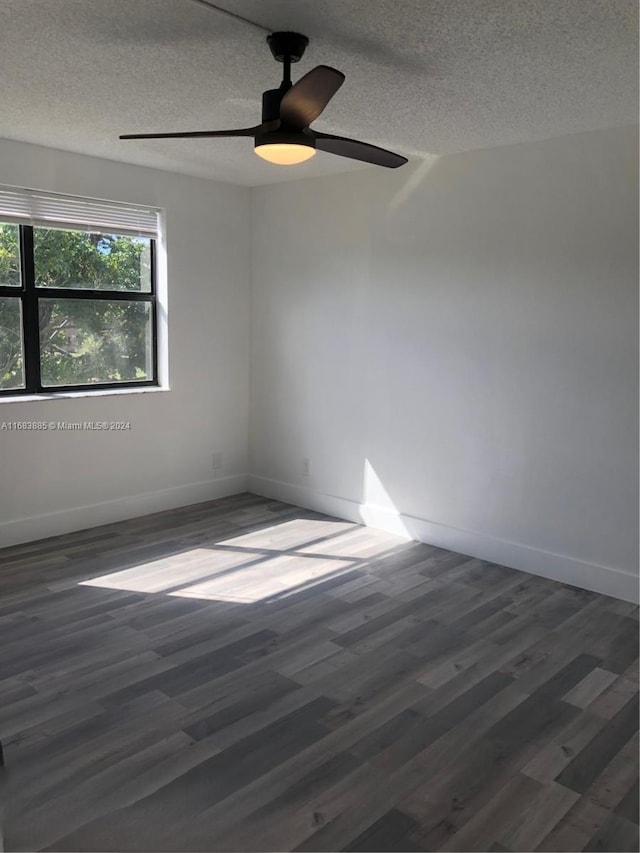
[(29, 294)]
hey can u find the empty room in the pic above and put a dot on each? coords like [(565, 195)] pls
[(319, 425)]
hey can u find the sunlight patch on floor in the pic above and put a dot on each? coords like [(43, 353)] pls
[(274, 562)]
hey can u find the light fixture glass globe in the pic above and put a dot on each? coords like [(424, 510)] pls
[(284, 153)]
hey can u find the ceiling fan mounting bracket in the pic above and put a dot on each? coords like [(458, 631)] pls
[(287, 46)]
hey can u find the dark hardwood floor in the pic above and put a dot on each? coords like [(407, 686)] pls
[(245, 675)]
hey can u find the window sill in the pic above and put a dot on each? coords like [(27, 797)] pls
[(74, 395)]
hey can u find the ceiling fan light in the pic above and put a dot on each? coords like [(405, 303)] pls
[(284, 153), (285, 149)]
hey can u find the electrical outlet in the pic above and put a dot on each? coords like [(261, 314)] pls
[(216, 461), (306, 467)]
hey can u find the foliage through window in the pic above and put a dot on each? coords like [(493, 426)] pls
[(77, 309)]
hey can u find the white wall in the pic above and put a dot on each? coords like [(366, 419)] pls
[(51, 482), (455, 349)]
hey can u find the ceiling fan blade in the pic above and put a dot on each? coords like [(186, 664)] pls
[(307, 98), (357, 150), (209, 134)]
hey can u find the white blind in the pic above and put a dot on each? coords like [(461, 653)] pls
[(34, 207)]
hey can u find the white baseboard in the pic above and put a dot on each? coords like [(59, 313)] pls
[(603, 579), (67, 520)]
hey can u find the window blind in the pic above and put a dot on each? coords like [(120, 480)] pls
[(35, 207)]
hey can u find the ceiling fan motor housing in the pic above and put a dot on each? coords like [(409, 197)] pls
[(287, 137), (271, 102)]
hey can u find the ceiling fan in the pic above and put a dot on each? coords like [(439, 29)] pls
[(284, 136)]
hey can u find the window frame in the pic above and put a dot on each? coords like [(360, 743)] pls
[(29, 294)]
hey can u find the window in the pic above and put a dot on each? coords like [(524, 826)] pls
[(77, 294)]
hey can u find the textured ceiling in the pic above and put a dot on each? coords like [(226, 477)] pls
[(422, 76)]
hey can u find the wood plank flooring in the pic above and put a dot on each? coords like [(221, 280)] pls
[(246, 675)]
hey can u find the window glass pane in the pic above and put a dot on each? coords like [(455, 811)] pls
[(9, 255), (92, 261), (93, 341), (11, 359)]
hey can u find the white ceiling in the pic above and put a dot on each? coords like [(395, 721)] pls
[(422, 76)]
